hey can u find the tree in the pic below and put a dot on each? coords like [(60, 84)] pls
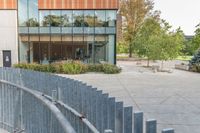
[(122, 47), (147, 38), (196, 39), (195, 62), (156, 42), (188, 47), (134, 12)]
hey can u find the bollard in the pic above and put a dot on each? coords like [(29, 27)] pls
[(151, 126), (168, 130)]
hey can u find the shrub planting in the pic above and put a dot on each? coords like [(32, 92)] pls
[(71, 67)]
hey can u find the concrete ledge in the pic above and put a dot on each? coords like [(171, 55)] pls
[(182, 67)]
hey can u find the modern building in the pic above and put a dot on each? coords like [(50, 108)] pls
[(45, 31)]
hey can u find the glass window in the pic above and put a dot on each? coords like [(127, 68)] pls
[(45, 18), (111, 18), (23, 12), (33, 13), (55, 18), (78, 19), (66, 18), (100, 18), (89, 18)]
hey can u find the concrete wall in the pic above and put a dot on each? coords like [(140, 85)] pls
[(8, 34)]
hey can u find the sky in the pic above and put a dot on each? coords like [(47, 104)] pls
[(183, 13)]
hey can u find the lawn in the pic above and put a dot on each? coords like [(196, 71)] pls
[(184, 58)]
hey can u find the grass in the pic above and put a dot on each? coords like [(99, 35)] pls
[(184, 58)]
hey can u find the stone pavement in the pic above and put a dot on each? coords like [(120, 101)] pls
[(171, 98)]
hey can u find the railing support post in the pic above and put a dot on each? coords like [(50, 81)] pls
[(151, 126), (138, 122), (54, 95)]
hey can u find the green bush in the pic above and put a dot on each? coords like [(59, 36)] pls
[(58, 67), (122, 47), (36, 67), (111, 69), (194, 63), (95, 67), (71, 67)]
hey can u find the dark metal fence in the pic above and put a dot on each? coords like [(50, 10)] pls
[(35, 102)]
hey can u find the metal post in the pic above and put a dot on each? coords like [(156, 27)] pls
[(128, 120), (54, 95), (151, 126), (138, 122)]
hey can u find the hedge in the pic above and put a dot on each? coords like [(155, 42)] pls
[(71, 67)]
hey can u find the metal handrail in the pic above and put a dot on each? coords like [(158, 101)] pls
[(81, 117), (67, 127)]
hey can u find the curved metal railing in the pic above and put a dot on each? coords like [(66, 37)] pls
[(35, 102), (60, 117)]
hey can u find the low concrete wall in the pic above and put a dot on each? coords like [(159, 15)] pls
[(182, 67), (8, 34)]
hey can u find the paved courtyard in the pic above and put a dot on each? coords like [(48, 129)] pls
[(171, 98)]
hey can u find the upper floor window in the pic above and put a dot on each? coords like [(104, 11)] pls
[(23, 12), (45, 18), (55, 18), (78, 18), (100, 18), (111, 18), (66, 18), (89, 20)]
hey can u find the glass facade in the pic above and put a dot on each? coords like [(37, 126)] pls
[(46, 36)]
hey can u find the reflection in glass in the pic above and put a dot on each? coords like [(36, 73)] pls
[(45, 18), (87, 35), (78, 18), (33, 13), (23, 12), (111, 18), (100, 18), (89, 18), (55, 18), (66, 18)]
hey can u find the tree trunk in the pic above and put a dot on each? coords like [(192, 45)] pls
[(130, 51), (162, 65), (148, 62)]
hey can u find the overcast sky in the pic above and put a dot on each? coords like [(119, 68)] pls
[(184, 13)]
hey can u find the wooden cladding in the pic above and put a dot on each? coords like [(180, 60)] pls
[(78, 4), (8, 4)]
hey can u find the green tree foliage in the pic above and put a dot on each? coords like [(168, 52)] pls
[(195, 62), (196, 39), (188, 48), (156, 42), (122, 47), (134, 12)]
